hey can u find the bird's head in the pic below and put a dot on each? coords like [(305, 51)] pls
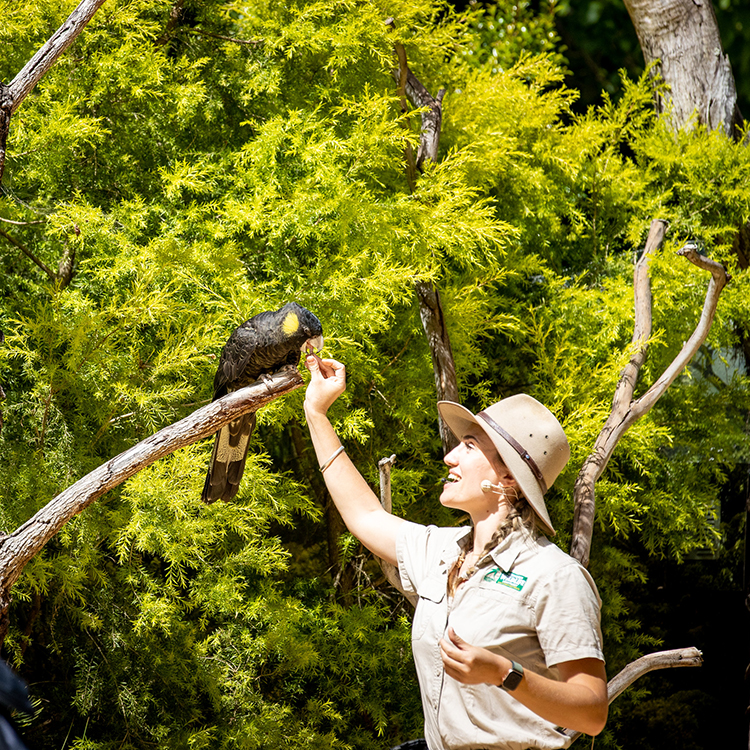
[(300, 324)]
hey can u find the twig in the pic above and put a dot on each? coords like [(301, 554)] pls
[(22, 223)]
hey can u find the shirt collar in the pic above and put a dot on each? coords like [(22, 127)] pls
[(452, 552), (506, 553)]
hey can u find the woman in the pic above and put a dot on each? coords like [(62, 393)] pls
[(506, 636)]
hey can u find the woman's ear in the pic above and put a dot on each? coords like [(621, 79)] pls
[(506, 478)]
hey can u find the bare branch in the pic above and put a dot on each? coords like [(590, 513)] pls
[(29, 254), (27, 540), (432, 114), (430, 307), (719, 279), (50, 51), (681, 657), (22, 223), (389, 570), (443, 365), (14, 93), (626, 411)]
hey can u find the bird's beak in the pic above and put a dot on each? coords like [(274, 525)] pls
[(316, 344)]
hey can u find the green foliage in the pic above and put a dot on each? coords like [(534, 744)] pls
[(248, 155)]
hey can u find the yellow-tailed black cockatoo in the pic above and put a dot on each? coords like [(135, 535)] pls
[(260, 346)]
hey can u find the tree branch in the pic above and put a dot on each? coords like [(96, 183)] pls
[(626, 411), (681, 657), (389, 571), (428, 296), (50, 51), (27, 540), (443, 365), (30, 255), (13, 94), (420, 97)]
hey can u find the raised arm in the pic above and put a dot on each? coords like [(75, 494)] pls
[(358, 505)]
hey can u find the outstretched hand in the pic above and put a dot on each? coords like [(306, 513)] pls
[(469, 664), (327, 383)]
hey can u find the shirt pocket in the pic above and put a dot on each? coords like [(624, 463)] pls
[(492, 615), (431, 593)]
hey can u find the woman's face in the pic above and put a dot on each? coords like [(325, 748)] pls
[(471, 462)]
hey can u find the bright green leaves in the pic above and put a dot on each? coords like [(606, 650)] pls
[(201, 171)]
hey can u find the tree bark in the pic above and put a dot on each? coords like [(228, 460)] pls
[(27, 540), (625, 410), (428, 296), (12, 95), (443, 365), (681, 39)]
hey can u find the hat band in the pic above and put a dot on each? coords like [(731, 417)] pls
[(517, 447)]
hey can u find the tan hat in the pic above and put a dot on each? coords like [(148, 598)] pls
[(528, 438)]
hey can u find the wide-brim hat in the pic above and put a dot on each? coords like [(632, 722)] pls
[(528, 437)]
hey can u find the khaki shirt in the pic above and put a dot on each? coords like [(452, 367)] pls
[(528, 601)]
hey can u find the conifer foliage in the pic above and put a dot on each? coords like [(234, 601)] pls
[(196, 163)]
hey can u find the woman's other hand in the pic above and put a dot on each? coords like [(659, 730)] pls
[(471, 664)]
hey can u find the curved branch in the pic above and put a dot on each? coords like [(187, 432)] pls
[(719, 279), (681, 657), (27, 540), (625, 411), (596, 462)]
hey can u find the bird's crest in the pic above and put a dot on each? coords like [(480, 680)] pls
[(290, 324)]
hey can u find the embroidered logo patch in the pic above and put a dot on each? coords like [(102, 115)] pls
[(511, 580)]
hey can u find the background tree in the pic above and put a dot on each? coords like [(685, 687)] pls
[(207, 161)]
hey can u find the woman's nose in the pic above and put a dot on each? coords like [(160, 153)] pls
[(450, 458)]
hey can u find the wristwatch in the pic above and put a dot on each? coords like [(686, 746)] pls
[(513, 678)]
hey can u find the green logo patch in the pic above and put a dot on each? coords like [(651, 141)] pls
[(511, 580)]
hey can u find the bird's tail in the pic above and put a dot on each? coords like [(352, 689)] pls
[(228, 459)]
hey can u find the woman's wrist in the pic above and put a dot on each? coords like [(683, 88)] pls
[(312, 411)]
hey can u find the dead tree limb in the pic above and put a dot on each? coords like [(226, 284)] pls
[(21, 545), (428, 296), (16, 91), (625, 410), (681, 657), (389, 570), (443, 364)]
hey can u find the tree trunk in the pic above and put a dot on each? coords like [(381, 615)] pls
[(681, 38)]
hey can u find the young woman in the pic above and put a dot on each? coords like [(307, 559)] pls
[(506, 635)]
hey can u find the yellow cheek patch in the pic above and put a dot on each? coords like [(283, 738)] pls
[(290, 324)]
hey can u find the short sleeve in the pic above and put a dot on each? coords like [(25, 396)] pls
[(568, 616), (419, 550)]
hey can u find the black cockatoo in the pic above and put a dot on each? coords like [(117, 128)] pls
[(260, 346)]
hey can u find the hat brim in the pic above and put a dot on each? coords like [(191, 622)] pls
[(462, 423)]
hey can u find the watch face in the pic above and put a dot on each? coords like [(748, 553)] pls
[(512, 681)]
